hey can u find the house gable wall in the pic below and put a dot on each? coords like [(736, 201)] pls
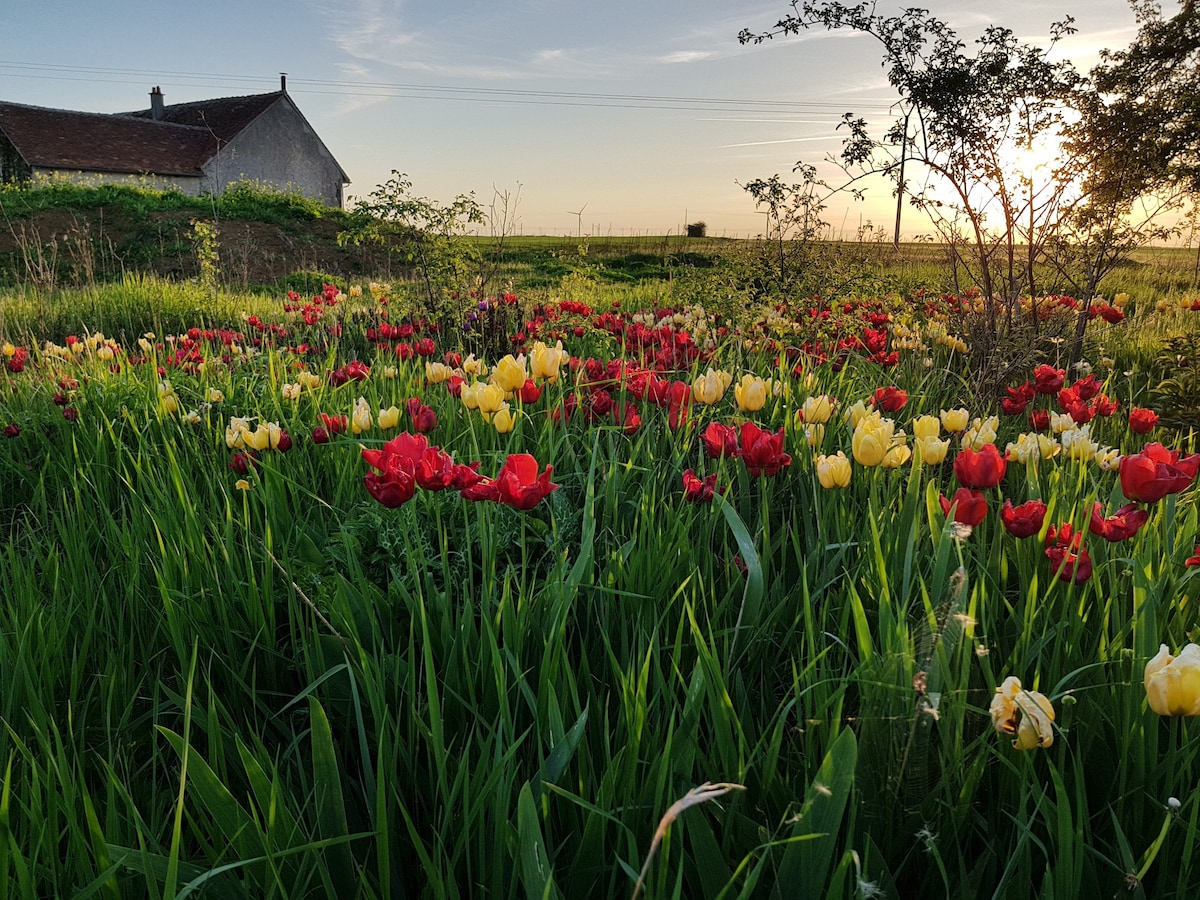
[(278, 148)]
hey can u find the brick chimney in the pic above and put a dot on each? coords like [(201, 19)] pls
[(156, 103)]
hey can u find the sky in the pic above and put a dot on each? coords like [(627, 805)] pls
[(621, 117)]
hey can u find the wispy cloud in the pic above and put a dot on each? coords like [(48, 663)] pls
[(686, 56), (799, 140)]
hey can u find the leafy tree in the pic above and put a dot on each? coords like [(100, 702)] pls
[(960, 116), (423, 233), (793, 214)]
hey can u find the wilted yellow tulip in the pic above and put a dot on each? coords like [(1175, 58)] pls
[(833, 471), (290, 391), (360, 418), (751, 393), (259, 439), (510, 373), (818, 410), (955, 419), (473, 366), (1120, 300), (710, 387), (1025, 714), (242, 484), (390, 417), (1173, 682), (309, 380), (235, 432), (503, 419), (1108, 459), (490, 397), (932, 450), (544, 361), (1060, 422), (926, 427), (982, 431), (192, 416), (214, 395)]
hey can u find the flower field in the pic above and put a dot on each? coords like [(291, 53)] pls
[(595, 599)]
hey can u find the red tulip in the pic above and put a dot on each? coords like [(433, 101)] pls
[(1155, 472), (890, 399), (1025, 520), (1194, 559), (1142, 421), (320, 435), (981, 469), (1123, 524), (519, 485), (970, 507), (529, 392), (697, 490), (720, 440), (12, 430), (334, 424), (1048, 380), (435, 471), (1065, 550), (762, 451), (1039, 420)]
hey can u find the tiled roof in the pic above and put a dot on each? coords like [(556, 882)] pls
[(179, 143), (224, 117)]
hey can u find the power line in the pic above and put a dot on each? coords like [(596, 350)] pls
[(411, 91)]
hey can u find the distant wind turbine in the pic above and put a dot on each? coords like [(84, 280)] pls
[(578, 219)]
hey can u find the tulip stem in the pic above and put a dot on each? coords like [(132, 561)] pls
[(1152, 850)]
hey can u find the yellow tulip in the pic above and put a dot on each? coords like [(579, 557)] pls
[(751, 393), (1026, 714), (872, 439), (868, 447), (710, 387), (833, 471), (104, 353), (510, 373), (932, 450), (290, 391), (982, 431), (896, 456), (814, 435), (470, 395), (436, 372), (856, 414), (215, 396), (490, 397), (309, 380), (1173, 682), (390, 417), (818, 410), (242, 484), (955, 419), (8, 349), (926, 428), (503, 419), (544, 361), (1120, 300), (360, 418)]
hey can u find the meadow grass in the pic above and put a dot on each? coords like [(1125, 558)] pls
[(289, 690)]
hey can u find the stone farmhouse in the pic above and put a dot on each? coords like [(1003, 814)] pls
[(198, 148)]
